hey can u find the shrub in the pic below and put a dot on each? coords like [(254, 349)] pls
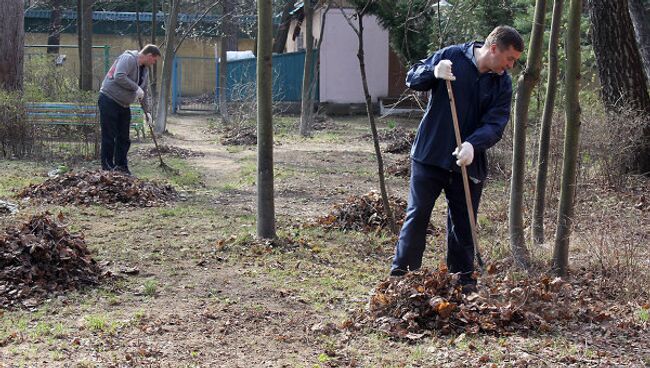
[(16, 138)]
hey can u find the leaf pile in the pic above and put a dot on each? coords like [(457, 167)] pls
[(399, 140), (240, 136), (401, 168), (428, 302), (365, 213), (40, 257), (99, 187), (169, 150), (323, 122)]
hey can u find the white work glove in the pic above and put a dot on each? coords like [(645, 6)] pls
[(443, 70), (147, 117), (464, 154), (139, 94)]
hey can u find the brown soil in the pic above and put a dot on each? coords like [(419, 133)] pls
[(199, 291)]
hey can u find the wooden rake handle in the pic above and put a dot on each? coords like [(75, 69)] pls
[(463, 170)]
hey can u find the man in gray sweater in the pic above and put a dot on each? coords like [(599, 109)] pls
[(125, 83)]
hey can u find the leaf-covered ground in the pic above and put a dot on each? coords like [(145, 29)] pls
[(194, 288)]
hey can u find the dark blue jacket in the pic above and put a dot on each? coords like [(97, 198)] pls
[(482, 105)]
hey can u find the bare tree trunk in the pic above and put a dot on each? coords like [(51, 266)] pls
[(230, 28), (314, 80), (525, 86), (371, 118), (283, 30), (168, 61), (12, 35), (223, 81), (641, 19), (85, 47), (173, 43), (571, 140), (54, 34), (137, 25), (619, 68), (228, 42), (624, 85), (154, 20), (545, 128), (265, 195), (80, 6), (153, 75), (307, 108)]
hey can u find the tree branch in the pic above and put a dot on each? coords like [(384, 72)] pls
[(200, 18)]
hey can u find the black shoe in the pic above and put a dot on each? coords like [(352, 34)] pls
[(397, 272), (124, 170)]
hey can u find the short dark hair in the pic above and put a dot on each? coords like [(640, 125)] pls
[(151, 49), (504, 37)]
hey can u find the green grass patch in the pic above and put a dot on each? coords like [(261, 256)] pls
[(228, 187), (18, 174), (150, 288), (328, 137), (246, 177), (100, 323), (41, 329), (96, 323), (248, 173), (235, 149), (177, 211), (188, 177)]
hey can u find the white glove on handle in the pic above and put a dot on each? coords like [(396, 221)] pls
[(139, 94), (443, 70), (464, 154), (147, 117)]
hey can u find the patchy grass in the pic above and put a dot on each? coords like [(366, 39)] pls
[(189, 176), (196, 289), (19, 174), (150, 288)]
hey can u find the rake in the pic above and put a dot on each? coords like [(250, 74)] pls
[(463, 169), (166, 168)]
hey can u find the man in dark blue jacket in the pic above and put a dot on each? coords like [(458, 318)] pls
[(483, 92)]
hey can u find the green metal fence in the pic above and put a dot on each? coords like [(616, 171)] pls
[(195, 81)]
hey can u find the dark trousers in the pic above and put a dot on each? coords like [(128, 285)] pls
[(115, 121), (427, 182)]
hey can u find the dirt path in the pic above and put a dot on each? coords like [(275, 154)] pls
[(316, 180), (192, 132)]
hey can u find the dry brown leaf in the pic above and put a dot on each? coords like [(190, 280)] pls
[(445, 309)]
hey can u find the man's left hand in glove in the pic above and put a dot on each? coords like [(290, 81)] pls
[(139, 94), (464, 154)]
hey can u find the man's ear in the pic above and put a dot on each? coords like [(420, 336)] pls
[(493, 48)]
